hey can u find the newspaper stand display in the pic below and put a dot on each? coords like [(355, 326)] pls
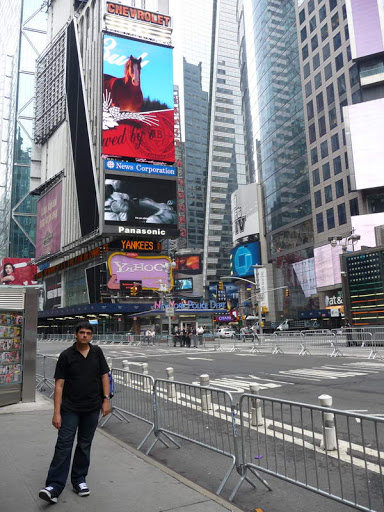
[(18, 324)]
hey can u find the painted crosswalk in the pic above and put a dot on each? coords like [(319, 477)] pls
[(333, 372)]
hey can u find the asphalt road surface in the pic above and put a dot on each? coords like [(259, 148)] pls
[(354, 383)]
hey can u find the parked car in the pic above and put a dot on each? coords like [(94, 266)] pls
[(225, 332)]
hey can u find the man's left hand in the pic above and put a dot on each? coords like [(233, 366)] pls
[(106, 408)]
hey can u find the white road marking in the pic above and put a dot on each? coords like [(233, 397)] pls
[(269, 380), (238, 384), (200, 358)]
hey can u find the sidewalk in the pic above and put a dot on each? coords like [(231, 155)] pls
[(120, 478)]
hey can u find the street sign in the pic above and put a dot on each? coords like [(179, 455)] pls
[(169, 311)]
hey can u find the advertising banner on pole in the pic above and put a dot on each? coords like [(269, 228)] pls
[(138, 109)]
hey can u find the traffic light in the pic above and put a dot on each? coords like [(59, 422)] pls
[(286, 292), (221, 285), (134, 291)]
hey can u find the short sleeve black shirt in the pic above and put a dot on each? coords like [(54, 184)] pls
[(83, 390)]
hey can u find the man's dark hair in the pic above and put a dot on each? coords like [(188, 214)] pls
[(83, 325)]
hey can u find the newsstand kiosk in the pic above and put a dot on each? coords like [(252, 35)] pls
[(18, 331)]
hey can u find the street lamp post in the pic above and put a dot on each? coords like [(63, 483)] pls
[(344, 242), (168, 267)]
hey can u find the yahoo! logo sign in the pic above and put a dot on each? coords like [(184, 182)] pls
[(154, 272)]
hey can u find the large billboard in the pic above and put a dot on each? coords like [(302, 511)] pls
[(188, 264), (365, 135), (136, 205), (17, 271), (48, 228), (245, 211), (138, 110), (366, 27), (244, 257), (153, 272)]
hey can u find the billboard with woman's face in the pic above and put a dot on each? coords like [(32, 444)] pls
[(138, 111), (17, 271)]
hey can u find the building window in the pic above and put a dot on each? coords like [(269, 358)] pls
[(310, 112), (330, 219), (354, 206), (332, 118), (341, 85), (316, 61), (335, 142), (335, 21), (318, 80), (341, 212), (312, 133), (322, 127), (353, 75), (306, 70), (324, 32), (303, 34), (319, 222), (314, 156), (346, 160), (346, 32), (320, 102), (356, 97), (328, 193), (315, 177), (304, 52), (332, 4), (324, 149), (326, 171), (337, 41), (314, 43), (330, 94), (339, 187), (328, 71), (308, 89), (322, 13), (317, 198), (326, 52), (311, 6), (343, 104), (349, 54), (337, 165), (339, 61), (302, 16), (312, 24), (344, 9)]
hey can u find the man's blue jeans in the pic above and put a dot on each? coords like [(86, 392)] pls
[(85, 424)]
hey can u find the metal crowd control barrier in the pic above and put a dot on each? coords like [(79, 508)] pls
[(333, 453), (132, 397), (199, 414), (45, 370)]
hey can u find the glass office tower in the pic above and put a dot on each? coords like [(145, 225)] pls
[(273, 84)]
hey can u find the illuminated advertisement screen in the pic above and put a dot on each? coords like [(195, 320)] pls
[(243, 257), (132, 201), (184, 284), (365, 135), (153, 272), (138, 110), (48, 226), (188, 264)]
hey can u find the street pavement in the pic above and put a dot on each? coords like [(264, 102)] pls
[(120, 478), (355, 384)]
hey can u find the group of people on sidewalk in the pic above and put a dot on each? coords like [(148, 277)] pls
[(187, 336)]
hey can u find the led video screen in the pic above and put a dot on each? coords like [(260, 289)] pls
[(138, 110), (184, 284), (134, 201)]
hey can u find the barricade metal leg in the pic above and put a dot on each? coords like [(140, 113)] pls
[(303, 350)]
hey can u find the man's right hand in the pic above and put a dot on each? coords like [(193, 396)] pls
[(56, 420)]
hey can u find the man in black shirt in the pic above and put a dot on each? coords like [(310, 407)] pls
[(81, 391)]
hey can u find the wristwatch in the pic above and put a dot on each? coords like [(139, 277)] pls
[(106, 397)]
